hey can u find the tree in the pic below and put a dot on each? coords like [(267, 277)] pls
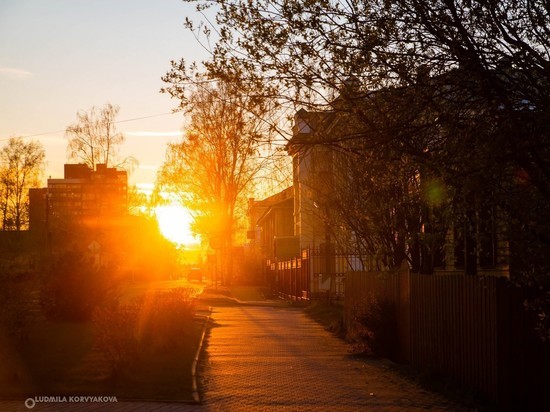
[(301, 49), (139, 203), (93, 138), (21, 165), (460, 88), (302, 52), (211, 170), (469, 101)]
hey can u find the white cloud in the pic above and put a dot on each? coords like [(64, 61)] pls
[(153, 134), (14, 72)]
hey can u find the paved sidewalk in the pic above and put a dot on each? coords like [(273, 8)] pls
[(264, 359)]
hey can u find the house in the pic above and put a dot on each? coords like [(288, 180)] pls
[(271, 229), (312, 176), (328, 195), (325, 182)]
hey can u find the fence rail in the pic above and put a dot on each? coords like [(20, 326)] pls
[(314, 275)]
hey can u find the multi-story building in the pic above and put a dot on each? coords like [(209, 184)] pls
[(81, 195), (84, 192)]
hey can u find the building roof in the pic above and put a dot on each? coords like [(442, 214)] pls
[(258, 209)]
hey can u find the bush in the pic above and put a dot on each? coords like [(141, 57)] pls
[(15, 307), (375, 327), (161, 322), (166, 319), (74, 287), (115, 335)]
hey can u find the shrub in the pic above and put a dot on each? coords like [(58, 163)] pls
[(160, 322), (74, 286), (375, 327), (15, 307), (115, 335), (167, 318)]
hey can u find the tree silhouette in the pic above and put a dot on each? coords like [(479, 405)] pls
[(93, 138), (212, 170), (21, 165), (458, 88)]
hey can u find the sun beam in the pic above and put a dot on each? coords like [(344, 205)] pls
[(174, 222)]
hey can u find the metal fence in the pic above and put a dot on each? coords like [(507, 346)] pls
[(314, 275)]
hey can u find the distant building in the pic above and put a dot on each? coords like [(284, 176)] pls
[(82, 194)]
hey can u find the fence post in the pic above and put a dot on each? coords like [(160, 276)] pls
[(307, 270), (404, 311)]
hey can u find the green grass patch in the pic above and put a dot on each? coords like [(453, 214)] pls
[(164, 376), (43, 364), (60, 359)]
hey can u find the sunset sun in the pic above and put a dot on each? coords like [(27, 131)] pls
[(174, 222)]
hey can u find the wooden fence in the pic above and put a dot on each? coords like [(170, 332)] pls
[(474, 330)]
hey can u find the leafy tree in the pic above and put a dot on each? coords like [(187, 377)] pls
[(21, 165), (460, 88), (93, 138), (211, 170), (301, 53)]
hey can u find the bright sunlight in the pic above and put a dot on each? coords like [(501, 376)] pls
[(174, 222)]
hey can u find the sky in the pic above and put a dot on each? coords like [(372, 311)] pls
[(58, 57)]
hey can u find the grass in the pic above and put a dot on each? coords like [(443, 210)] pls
[(330, 316), (60, 358), (43, 364), (138, 289), (166, 376)]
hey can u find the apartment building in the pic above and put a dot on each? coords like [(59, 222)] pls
[(82, 194)]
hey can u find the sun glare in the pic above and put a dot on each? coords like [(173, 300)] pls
[(174, 222)]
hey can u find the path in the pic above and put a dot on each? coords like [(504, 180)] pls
[(263, 359)]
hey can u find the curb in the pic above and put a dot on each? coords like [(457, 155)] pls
[(196, 395)]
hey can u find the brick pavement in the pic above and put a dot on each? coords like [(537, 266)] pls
[(264, 359), (261, 358)]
